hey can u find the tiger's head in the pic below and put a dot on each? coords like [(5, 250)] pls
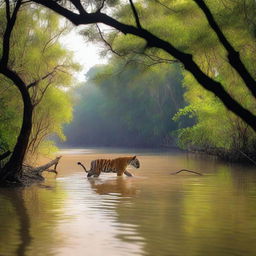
[(135, 162)]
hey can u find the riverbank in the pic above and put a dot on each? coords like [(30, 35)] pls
[(235, 156)]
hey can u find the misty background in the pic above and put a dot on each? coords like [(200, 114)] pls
[(130, 107)]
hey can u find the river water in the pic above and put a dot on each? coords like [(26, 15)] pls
[(152, 213)]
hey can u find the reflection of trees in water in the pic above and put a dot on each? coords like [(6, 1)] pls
[(119, 185), (15, 197), (24, 229), (28, 219)]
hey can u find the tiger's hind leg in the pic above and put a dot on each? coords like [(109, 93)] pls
[(93, 173), (90, 173), (95, 170)]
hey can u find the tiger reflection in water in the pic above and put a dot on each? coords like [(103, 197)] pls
[(118, 186), (117, 166)]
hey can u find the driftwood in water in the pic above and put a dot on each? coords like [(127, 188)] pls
[(34, 174), (185, 170)]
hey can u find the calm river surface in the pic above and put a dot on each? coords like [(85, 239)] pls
[(153, 213)]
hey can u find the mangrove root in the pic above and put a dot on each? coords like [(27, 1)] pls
[(185, 170)]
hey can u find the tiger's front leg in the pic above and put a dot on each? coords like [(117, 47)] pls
[(128, 173), (120, 172)]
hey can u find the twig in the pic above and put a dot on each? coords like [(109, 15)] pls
[(247, 156), (135, 13), (101, 6), (164, 5), (185, 170), (107, 43)]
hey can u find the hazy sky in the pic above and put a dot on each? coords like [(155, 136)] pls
[(85, 53)]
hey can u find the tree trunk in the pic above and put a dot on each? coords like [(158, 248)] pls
[(12, 169)]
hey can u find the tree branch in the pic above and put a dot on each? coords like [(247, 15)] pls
[(101, 6), (135, 14), (44, 167), (154, 41), (165, 6), (42, 94), (233, 55), (78, 5), (7, 34), (43, 78), (7, 10), (107, 43), (185, 170)]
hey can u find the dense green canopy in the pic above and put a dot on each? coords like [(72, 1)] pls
[(36, 54)]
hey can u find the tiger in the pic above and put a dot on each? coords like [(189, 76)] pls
[(117, 166)]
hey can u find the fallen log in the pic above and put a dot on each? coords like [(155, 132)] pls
[(34, 174), (185, 170), (45, 167)]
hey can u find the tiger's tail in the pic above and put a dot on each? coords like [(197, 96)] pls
[(79, 163)]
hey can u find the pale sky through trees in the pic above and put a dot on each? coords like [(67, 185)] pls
[(85, 53)]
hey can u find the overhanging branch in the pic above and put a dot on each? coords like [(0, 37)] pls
[(233, 55), (135, 14), (154, 41), (7, 34), (78, 5), (107, 43)]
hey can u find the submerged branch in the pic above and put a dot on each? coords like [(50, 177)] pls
[(185, 170)]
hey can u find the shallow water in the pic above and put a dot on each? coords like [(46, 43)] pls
[(152, 213)]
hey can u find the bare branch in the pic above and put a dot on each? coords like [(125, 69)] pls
[(154, 58), (43, 78), (185, 170), (135, 13), (7, 10), (107, 43), (42, 93), (7, 34), (78, 5), (50, 74), (165, 6), (101, 6), (55, 37), (157, 59)]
